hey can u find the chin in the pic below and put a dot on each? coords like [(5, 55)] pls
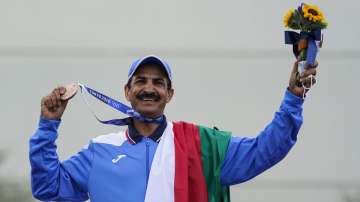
[(149, 113), (149, 110)]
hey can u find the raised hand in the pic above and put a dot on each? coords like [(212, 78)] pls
[(305, 78), (52, 106)]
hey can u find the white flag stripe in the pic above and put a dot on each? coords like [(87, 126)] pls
[(162, 174)]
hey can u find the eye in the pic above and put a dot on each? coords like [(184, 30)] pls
[(139, 81), (159, 82)]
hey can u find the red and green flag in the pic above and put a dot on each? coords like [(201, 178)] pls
[(187, 164)]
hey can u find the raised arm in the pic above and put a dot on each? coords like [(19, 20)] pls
[(248, 157), (52, 180)]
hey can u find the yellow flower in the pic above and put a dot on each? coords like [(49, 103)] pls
[(288, 16), (312, 13)]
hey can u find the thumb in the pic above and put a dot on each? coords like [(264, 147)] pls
[(295, 67), (294, 71)]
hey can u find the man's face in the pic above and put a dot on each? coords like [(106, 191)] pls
[(148, 91)]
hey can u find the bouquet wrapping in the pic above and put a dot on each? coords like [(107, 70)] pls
[(309, 20)]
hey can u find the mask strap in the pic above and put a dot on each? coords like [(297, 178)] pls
[(307, 88)]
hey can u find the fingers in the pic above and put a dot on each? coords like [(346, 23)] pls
[(309, 66), (310, 71), (57, 93), (309, 81), (307, 73), (53, 100), (62, 90), (299, 84), (295, 67), (47, 103), (294, 75)]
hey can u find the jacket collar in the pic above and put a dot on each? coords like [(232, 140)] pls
[(135, 137)]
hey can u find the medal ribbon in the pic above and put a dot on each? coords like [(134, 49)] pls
[(118, 106)]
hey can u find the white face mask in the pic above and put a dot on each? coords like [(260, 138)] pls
[(301, 69)]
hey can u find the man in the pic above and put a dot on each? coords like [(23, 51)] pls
[(165, 161)]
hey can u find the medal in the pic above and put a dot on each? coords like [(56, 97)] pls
[(71, 90)]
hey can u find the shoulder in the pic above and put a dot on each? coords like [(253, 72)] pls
[(116, 139), (201, 128), (182, 124)]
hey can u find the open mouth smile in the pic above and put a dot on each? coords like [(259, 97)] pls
[(148, 97)]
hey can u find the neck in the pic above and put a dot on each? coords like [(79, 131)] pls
[(145, 129)]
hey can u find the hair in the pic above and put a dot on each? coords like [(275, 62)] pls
[(168, 81)]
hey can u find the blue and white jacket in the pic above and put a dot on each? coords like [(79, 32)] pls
[(116, 167)]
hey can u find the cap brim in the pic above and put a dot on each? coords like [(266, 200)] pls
[(150, 59)]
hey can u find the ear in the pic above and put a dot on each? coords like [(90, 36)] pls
[(169, 95), (126, 90)]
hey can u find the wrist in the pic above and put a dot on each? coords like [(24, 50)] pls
[(296, 91)]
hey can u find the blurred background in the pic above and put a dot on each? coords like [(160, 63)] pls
[(230, 66)]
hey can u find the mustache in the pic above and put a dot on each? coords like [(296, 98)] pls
[(148, 95)]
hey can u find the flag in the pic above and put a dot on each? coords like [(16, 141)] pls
[(187, 164)]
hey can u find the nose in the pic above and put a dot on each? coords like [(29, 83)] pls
[(149, 87)]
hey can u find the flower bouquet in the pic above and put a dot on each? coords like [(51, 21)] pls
[(310, 21)]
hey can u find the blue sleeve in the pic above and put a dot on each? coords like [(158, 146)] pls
[(52, 180), (248, 157)]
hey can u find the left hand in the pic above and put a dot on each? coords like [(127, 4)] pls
[(304, 77)]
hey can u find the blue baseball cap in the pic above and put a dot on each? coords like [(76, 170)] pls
[(150, 59)]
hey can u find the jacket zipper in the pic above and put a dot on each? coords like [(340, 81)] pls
[(147, 160)]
